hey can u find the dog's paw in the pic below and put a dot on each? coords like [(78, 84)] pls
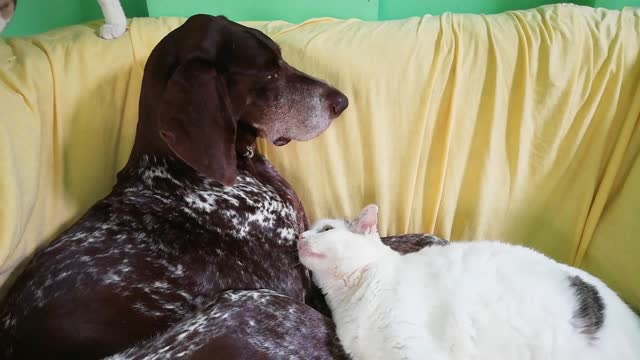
[(112, 31)]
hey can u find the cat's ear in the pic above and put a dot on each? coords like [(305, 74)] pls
[(367, 222)]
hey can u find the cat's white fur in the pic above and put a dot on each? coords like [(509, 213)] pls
[(115, 21), (479, 300)]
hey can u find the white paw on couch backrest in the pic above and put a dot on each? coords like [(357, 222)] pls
[(115, 19)]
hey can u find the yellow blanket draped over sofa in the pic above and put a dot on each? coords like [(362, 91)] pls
[(521, 126)]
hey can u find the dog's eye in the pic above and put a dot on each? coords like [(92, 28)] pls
[(272, 76), (326, 228)]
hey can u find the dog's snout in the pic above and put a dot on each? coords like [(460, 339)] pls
[(338, 102)]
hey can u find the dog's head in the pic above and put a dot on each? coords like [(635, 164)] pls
[(212, 81)]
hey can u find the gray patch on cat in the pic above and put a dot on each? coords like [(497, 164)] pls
[(409, 243), (588, 316)]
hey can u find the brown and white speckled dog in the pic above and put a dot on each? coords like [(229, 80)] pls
[(195, 212), (245, 324)]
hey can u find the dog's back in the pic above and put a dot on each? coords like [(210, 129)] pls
[(133, 277)]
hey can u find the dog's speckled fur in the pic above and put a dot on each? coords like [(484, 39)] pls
[(156, 250), (268, 321)]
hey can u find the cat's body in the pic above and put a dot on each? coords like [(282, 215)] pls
[(476, 300), (115, 23)]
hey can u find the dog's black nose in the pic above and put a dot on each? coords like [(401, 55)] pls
[(337, 102)]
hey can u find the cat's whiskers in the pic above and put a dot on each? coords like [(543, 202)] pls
[(297, 263), (294, 252)]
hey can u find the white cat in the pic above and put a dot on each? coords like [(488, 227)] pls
[(479, 300)]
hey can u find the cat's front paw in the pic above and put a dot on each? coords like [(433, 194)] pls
[(112, 31)]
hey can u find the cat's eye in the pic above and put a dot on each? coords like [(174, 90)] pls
[(272, 76), (326, 228)]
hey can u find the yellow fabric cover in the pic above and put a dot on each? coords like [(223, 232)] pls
[(521, 126)]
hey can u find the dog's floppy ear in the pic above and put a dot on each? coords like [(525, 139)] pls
[(195, 120)]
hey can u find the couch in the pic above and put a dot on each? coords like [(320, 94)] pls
[(522, 126)]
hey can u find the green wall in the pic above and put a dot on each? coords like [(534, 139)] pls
[(290, 10), (397, 9), (298, 10), (35, 16)]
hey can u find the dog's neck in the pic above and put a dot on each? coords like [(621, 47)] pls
[(149, 152), (141, 166), (245, 141)]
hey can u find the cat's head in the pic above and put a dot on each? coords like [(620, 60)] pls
[(342, 249), (7, 9)]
